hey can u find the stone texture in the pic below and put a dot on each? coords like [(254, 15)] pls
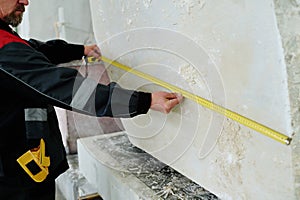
[(121, 171), (288, 18), (229, 52), (72, 185)]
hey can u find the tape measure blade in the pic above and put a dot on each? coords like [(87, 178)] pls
[(208, 104)]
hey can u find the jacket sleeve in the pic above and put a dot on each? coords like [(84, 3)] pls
[(58, 51), (29, 74)]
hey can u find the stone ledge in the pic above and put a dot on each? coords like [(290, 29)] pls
[(72, 184), (121, 171)]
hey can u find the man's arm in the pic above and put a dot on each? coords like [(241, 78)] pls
[(58, 51), (160, 101), (38, 81)]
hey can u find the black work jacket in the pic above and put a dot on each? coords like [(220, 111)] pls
[(29, 79)]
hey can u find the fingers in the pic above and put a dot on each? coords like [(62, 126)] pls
[(179, 97), (96, 51), (93, 51), (172, 95), (175, 100), (172, 102), (164, 101)]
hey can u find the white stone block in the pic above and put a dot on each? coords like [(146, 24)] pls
[(229, 52)]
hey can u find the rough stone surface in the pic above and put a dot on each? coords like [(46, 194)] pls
[(229, 52), (134, 168), (238, 40), (288, 17), (72, 184)]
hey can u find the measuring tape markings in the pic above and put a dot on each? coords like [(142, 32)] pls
[(202, 101)]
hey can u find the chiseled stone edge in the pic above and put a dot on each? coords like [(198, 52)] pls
[(287, 12)]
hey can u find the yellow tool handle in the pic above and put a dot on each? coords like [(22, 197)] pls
[(38, 157), (28, 157), (204, 102)]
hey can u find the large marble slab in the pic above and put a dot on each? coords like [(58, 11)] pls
[(229, 52)]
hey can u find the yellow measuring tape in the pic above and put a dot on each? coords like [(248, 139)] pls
[(204, 102)]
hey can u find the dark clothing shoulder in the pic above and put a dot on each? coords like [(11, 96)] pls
[(54, 49), (30, 79)]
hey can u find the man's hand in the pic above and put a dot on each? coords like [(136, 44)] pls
[(92, 50), (165, 101)]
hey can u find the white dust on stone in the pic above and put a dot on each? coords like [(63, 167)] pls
[(188, 5), (231, 152), (191, 75)]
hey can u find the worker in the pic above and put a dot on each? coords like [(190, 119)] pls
[(31, 84)]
